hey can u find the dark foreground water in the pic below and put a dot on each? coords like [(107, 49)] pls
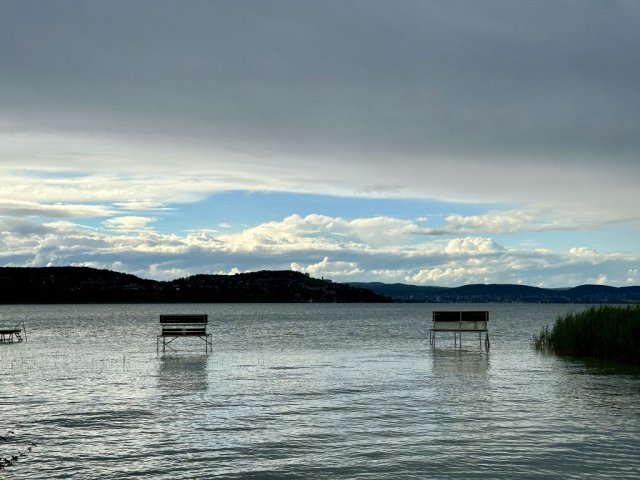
[(307, 391)]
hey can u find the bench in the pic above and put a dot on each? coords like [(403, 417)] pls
[(9, 335), (458, 322), (183, 325)]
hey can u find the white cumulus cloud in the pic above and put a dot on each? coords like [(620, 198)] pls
[(128, 222), (472, 245), (327, 268), (582, 252), (331, 247)]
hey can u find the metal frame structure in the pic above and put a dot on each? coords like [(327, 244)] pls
[(459, 322), (10, 335), (183, 325)]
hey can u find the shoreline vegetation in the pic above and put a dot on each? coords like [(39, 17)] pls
[(603, 332)]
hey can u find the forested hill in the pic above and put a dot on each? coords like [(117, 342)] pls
[(89, 285), (504, 293)]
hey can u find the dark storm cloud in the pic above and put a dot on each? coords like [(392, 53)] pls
[(493, 78), (514, 102)]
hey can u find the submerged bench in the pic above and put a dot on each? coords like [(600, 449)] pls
[(10, 335), (183, 325), (458, 322)]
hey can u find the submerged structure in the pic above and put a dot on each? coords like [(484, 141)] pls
[(15, 334), (459, 322), (183, 325)]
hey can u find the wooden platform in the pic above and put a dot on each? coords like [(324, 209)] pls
[(458, 322)]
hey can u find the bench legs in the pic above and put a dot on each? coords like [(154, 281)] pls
[(207, 338), (457, 338)]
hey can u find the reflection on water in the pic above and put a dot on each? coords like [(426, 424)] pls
[(593, 386), (185, 373), (309, 391), (458, 361)]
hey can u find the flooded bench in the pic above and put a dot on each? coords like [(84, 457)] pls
[(459, 322), (183, 325), (10, 335)]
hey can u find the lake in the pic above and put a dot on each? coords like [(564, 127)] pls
[(335, 391)]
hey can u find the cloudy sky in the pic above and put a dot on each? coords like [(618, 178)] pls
[(426, 142)]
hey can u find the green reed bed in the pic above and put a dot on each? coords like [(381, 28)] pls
[(605, 332)]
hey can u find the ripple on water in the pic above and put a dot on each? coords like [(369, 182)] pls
[(309, 391)]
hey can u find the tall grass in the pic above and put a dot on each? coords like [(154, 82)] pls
[(604, 332)]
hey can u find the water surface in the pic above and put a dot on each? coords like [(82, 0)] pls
[(308, 391)]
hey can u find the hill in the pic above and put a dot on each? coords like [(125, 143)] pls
[(507, 293), (401, 292), (89, 285)]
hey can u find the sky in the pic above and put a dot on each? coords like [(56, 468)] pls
[(440, 142)]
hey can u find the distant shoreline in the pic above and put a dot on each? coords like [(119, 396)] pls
[(84, 285), (504, 293)]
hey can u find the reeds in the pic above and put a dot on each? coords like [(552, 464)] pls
[(605, 332)]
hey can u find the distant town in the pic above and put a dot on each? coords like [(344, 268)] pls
[(504, 293)]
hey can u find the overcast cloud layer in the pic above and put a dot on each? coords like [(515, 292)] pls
[(113, 113)]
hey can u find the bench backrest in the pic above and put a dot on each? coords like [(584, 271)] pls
[(465, 316), (183, 319), (183, 325), (461, 320)]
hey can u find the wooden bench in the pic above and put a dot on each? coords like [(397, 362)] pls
[(458, 322), (183, 325)]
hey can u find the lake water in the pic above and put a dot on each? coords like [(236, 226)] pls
[(307, 391)]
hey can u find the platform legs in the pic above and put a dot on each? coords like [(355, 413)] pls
[(457, 338)]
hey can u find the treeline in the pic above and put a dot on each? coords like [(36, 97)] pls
[(89, 285)]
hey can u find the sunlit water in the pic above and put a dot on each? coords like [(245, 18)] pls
[(307, 391)]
